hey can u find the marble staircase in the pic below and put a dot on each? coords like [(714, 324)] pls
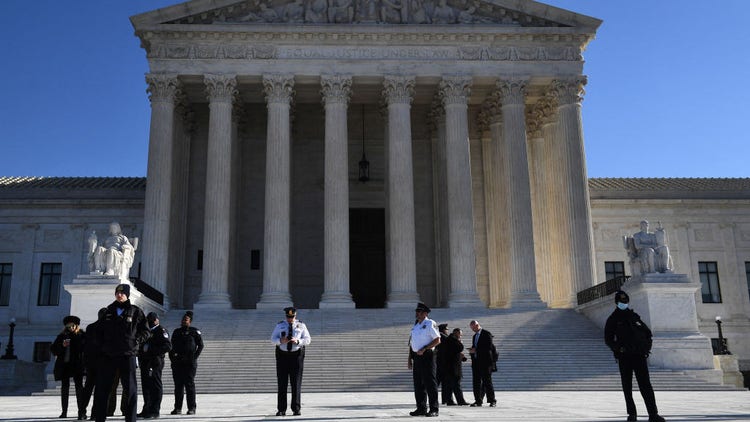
[(366, 350)]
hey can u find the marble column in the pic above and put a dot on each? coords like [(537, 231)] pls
[(221, 90), (164, 90), (520, 234), (499, 262), (454, 91), (402, 292), (540, 202), (569, 95), (558, 216), (279, 90), (336, 90), (439, 203)]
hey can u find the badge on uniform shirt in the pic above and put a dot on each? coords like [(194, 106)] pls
[(198, 331), (165, 334), (129, 319), (424, 326)]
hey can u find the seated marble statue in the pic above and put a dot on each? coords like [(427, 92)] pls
[(115, 257), (648, 251)]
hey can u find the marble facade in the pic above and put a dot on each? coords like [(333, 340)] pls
[(237, 86)]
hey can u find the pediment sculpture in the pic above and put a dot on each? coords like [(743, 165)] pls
[(114, 256), (441, 12), (648, 251)]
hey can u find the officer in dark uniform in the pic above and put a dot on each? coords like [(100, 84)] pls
[(187, 345), (151, 356), (631, 350), (422, 361), (122, 330), (290, 337)]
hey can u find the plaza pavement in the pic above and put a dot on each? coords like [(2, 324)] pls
[(590, 406)]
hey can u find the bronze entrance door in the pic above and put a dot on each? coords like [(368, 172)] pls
[(367, 257)]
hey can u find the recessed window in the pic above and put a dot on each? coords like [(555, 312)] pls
[(709, 274), (614, 269), (255, 259), (6, 272), (50, 279), (42, 351)]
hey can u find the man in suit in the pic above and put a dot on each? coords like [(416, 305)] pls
[(483, 358)]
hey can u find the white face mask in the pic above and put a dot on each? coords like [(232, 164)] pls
[(622, 306)]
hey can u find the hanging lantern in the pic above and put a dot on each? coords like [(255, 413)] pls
[(364, 165)]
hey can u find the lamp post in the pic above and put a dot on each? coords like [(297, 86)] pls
[(9, 350), (723, 349)]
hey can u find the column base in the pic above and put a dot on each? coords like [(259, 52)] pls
[(465, 300), (527, 300), (274, 300), (213, 301), (336, 300), (402, 300)]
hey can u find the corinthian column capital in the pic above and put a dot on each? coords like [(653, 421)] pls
[(569, 90), (163, 87), (455, 89), (399, 89), (512, 91), (279, 88), (220, 88), (336, 89)]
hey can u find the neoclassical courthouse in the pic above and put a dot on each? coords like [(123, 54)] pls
[(369, 153)]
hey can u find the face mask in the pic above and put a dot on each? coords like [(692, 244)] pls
[(622, 306)]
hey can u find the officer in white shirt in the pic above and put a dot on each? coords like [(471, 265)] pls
[(424, 338), (290, 337)]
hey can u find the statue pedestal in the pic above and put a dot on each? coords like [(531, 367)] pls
[(666, 303), (89, 293)]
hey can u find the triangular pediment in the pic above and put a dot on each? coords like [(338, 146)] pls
[(513, 13)]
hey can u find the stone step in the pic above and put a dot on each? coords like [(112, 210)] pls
[(365, 350)]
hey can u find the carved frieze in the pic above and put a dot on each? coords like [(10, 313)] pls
[(394, 12), (323, 52)]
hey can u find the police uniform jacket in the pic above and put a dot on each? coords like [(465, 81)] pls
[(121, 334), (152, 352), (187, 345), (299, 331), (620, 336), (423, 333), (92, 349)]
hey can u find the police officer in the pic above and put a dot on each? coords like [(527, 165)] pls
[(187, 345), (424, 338), (151, 356), (290, 337), (631, 348), (122, 330)]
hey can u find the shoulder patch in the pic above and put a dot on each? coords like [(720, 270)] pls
[(198, 331)]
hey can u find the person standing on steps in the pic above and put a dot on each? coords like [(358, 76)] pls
[(422, 361), (187, 345), (629, 338), (483, 363), (290, 338)]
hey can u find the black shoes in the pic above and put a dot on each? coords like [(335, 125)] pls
[(432, 413), (418, 412), (632, 418), (476, 404), (190, 412), (82, 416), (493, 404), (297, 413), (656, 418), (280, 413), (176, 412)]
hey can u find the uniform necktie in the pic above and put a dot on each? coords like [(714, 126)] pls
[(289, 345)]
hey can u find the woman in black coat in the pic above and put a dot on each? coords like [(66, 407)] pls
[(68, 349)]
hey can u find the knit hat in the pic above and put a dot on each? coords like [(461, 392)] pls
[(71, 318), (124, 288)]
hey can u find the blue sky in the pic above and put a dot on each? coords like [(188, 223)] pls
[(668, 83)]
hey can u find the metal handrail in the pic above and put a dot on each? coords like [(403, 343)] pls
[(602, 289)]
